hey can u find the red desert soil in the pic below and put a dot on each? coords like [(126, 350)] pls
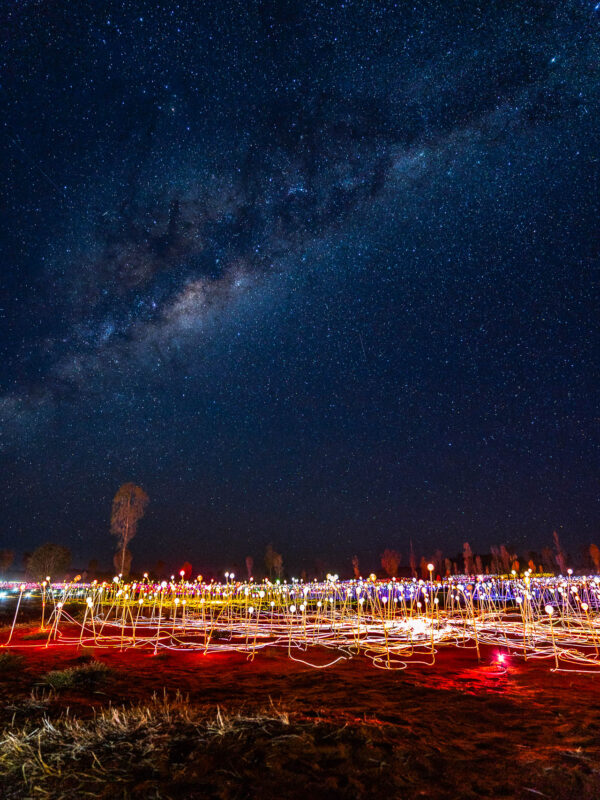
[(457, 729)]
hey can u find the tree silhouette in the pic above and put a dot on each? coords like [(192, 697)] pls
[(413, 561), (505, 559), (495, 551), (390, 561), (561, 558), (186, 568), (595, 556), (548, 561), (128, 508), (273, 561), (6, 559), (468, 558), (92, 567), (49, 559)]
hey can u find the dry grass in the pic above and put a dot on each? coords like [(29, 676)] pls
[(170, 749)]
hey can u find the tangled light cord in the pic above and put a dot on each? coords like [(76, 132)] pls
[(392, 623)]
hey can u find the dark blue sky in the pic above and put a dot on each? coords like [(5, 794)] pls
[(321, 274)]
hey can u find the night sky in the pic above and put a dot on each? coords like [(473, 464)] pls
[(316, 274)]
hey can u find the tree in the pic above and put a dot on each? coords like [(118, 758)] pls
[(355, 567), (269, 555), (438, 562), (92, 567), (561, 558), (273, 562), (412, 560), (468, 558), (495, 551), (129, 506), (49, 559), (505, 559), (122, 562), (595, 556), (548, 559), (6, 559), (249, 566), (390, 561), (186, 568)]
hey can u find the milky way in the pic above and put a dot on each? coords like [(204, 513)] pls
[(322, 275)]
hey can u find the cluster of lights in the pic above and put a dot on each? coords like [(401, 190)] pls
[(387, 621)]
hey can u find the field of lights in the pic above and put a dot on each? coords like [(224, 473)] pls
[(392, 623)]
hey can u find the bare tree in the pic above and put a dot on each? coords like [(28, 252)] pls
[(413, 561), (468, 558), (129, 506), (249, 566), (561, 558), (390, 561)]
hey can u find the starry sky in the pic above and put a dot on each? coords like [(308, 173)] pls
[(321, 274)]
